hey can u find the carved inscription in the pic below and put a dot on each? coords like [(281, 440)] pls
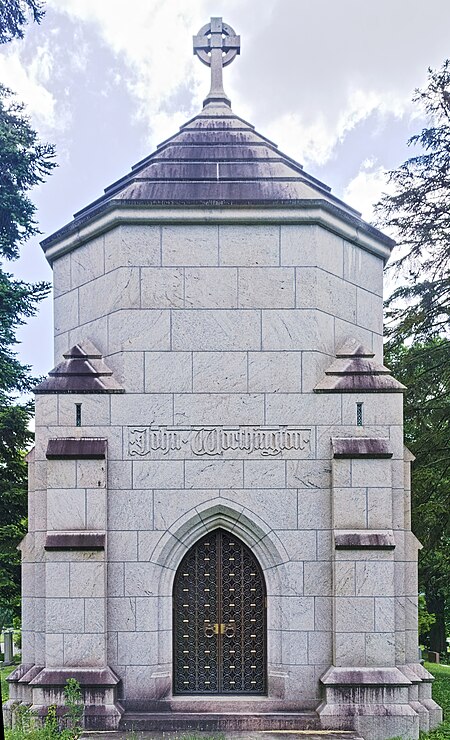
[(218, 441)]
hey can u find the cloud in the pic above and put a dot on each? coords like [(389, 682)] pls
[(29, 82), (366, 188)]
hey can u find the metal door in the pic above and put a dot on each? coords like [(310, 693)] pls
[(219, 619)]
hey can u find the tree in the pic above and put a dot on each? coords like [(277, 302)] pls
[(417, 327), (14, 16), (427, 435), (25, 163)]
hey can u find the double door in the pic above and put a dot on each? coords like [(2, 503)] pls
[(219, 619)]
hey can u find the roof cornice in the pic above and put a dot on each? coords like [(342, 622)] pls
[(308, 211)]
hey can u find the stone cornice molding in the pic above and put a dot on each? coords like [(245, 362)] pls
[(310, 212)]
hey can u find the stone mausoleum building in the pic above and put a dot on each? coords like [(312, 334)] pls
[(219, 508)]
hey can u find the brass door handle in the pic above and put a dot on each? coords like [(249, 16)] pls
[(229, 630)]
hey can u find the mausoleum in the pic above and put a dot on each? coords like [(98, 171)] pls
[(219, 506)]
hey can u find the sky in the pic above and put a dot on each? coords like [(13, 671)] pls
[(331, 82)]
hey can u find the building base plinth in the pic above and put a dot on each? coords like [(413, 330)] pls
[(38, 688), (372, 701)]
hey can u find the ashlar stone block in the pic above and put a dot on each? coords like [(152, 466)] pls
[(65, 312), (84, 650), (349, 508), (369, 310), (64, 615), (122, 614), (271, 287), (168, 372), (171, 505), (158, 474), (344, 578), (275, 372), (219, 408), (380, 648), (219, 372), (130, 510), (46, 410), (264, 473), (317, 579), (320, 289), (363, 268), (372, 473), (66, 509), (91, 473), (374, 579), (132, 245), (87, 580), (312, 246), (314, 508), (96, 509), (379, 508), (211, 287), (141, 408), (95, 409), (354, 614), (294, 648), (87, 262), (249, 245), (122, 546), (297, 329), (62, 281), (56, 580), (190, 245), (162, 287), (350, 649), (277, 507), (109, 293), (139, 329), (132, 646), (94, 615), (214, 474), (209, 330)]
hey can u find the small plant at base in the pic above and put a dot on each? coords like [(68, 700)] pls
[(74, 713), (50, 729)]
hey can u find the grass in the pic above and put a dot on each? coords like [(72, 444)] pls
[(441, 694), (4, 672)]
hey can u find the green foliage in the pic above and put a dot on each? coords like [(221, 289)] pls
[(418, 330), (25, 162), (74, 709), (419, 214), (425, 618), (14, 15), (425, 369)]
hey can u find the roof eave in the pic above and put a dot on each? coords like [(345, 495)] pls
[(115, 213)]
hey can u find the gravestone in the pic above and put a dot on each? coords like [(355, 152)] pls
[(219, 508)]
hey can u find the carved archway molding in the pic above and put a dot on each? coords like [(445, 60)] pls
[(251, 529)]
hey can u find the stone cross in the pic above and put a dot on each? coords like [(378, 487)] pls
[(216, 45)]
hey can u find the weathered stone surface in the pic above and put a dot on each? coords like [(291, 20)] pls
[(247, 246)]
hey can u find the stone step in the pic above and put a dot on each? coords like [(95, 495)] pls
[(239, 735), (218, 722)]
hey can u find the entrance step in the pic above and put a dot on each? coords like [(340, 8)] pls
[(218, 722)]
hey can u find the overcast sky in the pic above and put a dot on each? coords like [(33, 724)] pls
[(329, 81)]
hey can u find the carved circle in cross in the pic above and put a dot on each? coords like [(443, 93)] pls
[(224, 39)]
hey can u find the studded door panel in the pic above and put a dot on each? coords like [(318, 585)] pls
[(219, 619)]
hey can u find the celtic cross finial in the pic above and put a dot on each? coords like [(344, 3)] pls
[(216, 45)]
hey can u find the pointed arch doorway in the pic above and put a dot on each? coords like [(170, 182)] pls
[(219, 619)]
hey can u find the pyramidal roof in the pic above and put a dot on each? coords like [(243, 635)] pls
[(217, 160)]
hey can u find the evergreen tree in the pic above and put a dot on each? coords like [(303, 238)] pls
[(14, 16), (24, 162), (418, 323)]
